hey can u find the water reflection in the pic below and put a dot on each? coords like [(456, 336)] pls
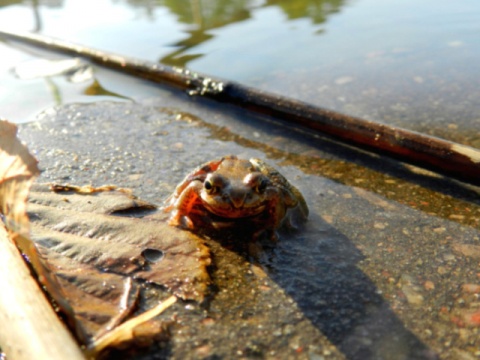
[(47, 3), (317, 10), (204, 16), (35, 4), (10, 2), (209, 14)]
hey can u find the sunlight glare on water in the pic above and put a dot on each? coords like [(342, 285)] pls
[(401, 62)]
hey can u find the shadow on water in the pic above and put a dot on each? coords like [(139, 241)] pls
[(317, 267)]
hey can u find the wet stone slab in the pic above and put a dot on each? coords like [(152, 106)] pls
[(386, 267)]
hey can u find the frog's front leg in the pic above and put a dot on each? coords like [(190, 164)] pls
[(182, 205), (275, 213)]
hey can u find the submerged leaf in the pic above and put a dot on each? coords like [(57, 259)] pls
[(94, 253), (99, 301), (119, 244), (73, 198)]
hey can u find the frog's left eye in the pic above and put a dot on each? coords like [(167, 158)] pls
[(261, 186)]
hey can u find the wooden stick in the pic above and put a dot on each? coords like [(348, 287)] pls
[(30, 329), (444, 157)]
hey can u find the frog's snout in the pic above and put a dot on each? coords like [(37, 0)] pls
[(237, 198)]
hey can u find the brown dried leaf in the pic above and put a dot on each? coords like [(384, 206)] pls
[(98, 301), (146, 249), (74, 198), (94, 253)]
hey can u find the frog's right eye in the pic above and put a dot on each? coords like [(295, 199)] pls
[(209, 187)]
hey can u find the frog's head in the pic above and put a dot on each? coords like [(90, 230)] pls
[(235, 190)]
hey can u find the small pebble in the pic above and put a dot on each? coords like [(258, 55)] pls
[(208, 321), (429, 285), (379, 225), (413, 296), (472, 319), (442, 270), (471, 288)]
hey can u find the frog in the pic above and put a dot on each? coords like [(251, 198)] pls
[(232, 190)]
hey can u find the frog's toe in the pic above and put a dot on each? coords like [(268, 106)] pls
[(186, 222), (273, 236), (174, 220), (269, 234), (166, 208), (181, 221)]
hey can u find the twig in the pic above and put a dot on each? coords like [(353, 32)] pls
[(124, 332), (444, 157), (30, 327)]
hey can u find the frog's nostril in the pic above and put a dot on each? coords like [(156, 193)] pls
[(237, 199)]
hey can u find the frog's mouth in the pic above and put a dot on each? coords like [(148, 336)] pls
[(230, 212)]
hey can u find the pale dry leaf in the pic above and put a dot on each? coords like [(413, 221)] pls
[(126, 331), (18, 170), (23, 302)]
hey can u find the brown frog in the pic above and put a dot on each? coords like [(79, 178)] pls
[(231, 190)]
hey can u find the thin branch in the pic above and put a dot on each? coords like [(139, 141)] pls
[(444, 157), (125, 331)]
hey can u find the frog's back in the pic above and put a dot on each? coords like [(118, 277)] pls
[(296, 197)]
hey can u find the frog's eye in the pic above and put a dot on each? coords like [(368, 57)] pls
[(260, 188), (209, 187)]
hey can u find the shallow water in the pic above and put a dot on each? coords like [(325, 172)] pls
[(386, 266), (400, 62), (390, 252)]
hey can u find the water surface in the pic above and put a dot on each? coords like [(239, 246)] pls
[(400, 62), (386, 261)]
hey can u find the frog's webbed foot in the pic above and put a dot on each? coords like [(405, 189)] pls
[(294, 219), (291, 224)]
